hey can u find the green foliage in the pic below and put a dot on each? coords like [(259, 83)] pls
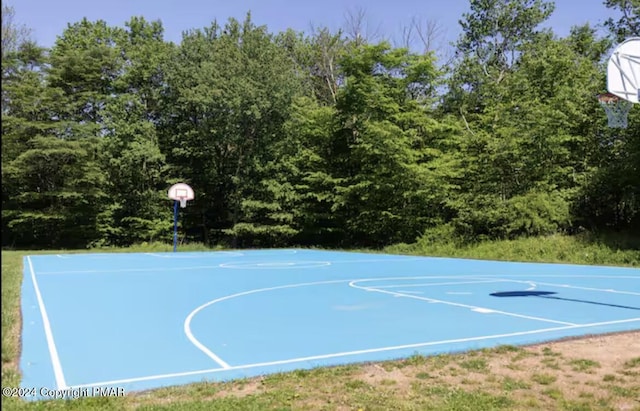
[(376, 155), (587, 248), (494, 29), (628, 23), (84, 63), (610, 197), (531, 214), (54, 193), (229, 92), (528, 152), (131, 159), (316, 140)]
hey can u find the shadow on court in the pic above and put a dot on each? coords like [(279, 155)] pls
[(552, 296)]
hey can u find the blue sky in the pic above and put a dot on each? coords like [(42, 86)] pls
[(47, 19)]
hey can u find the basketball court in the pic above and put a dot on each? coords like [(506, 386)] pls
[(141, 321)]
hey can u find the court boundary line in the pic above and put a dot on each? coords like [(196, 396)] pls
[(191, 256), (349, 353), (434, 300), (51, 345), (129, 270), (282, 265), (620, 277), (185, 268), (488, 281)]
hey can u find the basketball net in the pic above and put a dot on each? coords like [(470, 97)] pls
[(617, 109), (183, 202)]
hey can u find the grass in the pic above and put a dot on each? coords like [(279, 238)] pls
[(507, 377), (475, 364), (543, 379), (583, 365), (510, 384), (581, 249)]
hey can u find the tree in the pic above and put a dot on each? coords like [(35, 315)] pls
[(357, 28), (61, 185), (425, 36), (495, 29), (50, 185), (494, 32), (310, 131), (375, 177), (85, 63), (134, 166), (15, 40), (628, 25), (315, 60), (13, 34), (528, 124), (228, 93), (55, 184), (26, 115)]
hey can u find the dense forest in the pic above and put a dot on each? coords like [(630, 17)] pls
[(327, 138)]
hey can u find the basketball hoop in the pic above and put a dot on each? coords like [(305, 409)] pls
[(617, 109), (180, 193), (623, 82)]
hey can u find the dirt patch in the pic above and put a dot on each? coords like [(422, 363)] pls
[(610, 350), (377, 375), (587, 370), (248, 387), (592, 367)]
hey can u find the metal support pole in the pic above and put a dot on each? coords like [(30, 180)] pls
[(175, 225)]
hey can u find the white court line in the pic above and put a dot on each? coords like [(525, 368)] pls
[(627, 277), (191, 337), (432, 284), (347, 353), (263, 252), (201, 267), (202, 347), (274, 264), (472, 307), (606, 290), (382, 260), (204, 254), (53, 352), (129, 270), (283, 265)]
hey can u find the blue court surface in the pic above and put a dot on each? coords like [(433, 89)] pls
[(141, 321)]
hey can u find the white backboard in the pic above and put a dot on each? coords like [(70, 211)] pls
[(623, 70), (181, 191)]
